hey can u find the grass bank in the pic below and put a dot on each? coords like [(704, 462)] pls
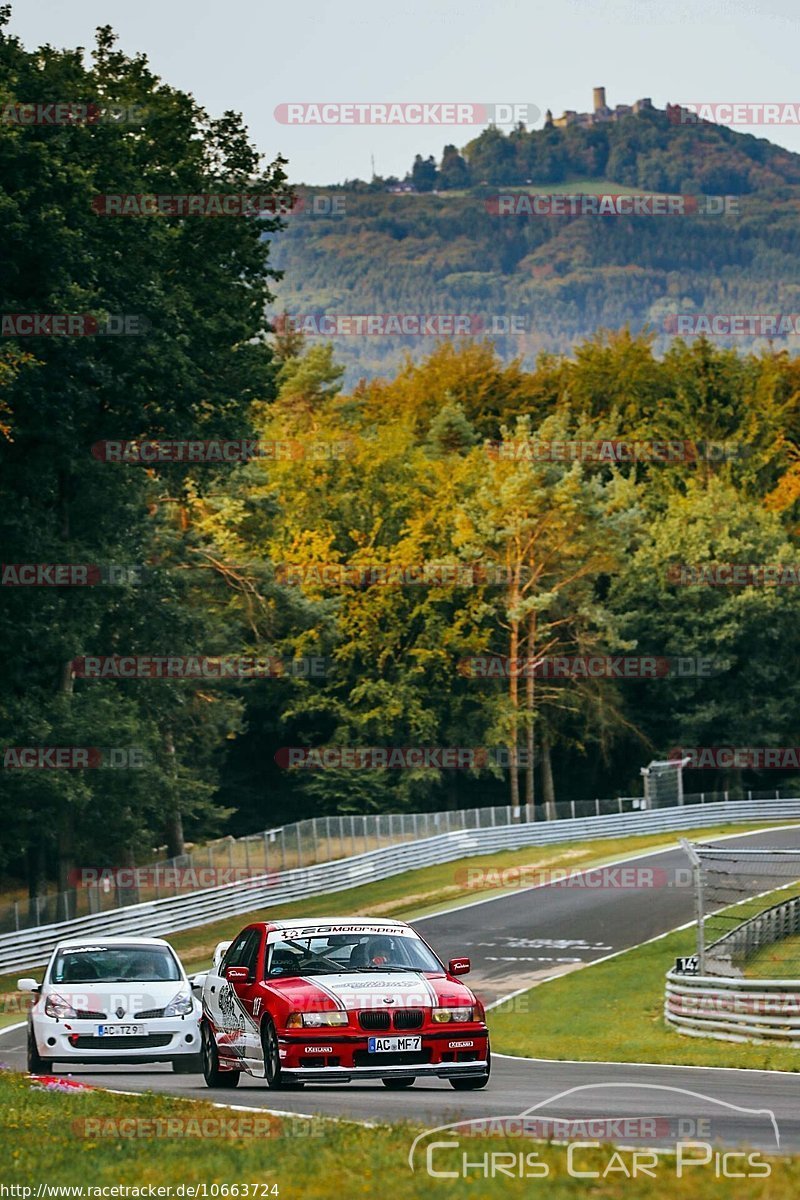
[(95, 1139)]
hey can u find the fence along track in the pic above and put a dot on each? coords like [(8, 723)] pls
[(33, 947)]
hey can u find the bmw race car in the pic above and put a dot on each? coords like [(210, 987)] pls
[(330, 1001), (113, 1000)]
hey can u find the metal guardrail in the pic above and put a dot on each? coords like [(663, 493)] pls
[(764, 929), (299, 844), (29, 948), (734, 1010)]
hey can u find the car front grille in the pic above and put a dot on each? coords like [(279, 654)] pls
[(147, 1041), (401, 1018), (149, 1014), (374, 1018), (87, 1015), (408, 1018)]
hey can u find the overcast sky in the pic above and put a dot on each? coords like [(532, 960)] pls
[(252, 55)]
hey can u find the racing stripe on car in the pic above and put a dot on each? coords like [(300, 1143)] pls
[(315, 982)]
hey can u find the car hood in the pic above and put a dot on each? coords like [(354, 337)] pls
[(131, 996), (373, 989)]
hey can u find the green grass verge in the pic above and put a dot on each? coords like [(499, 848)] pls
[(312, 1159), (412, 894), (781, 961), (613, 1011)]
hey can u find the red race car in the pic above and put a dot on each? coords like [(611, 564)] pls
[(329, 1001)]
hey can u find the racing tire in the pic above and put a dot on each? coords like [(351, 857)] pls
[(471, 1083), (394, 1085), (188, 1064), (273, 1072), (36, 1064), (212, 1072)]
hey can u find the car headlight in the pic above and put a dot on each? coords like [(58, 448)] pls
[(180, 1005), (57, 1006), (315, 1020), (443, 1015)]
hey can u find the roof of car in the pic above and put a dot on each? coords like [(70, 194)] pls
[(346, 922), (94, 943)]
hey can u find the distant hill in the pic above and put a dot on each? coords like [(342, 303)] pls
[(447, 251)]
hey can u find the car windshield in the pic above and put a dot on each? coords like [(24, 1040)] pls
[(348, 952), (113, 964)]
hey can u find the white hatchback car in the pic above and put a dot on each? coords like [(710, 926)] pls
[(113, 1000)]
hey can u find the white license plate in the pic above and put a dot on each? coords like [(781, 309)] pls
[(118, 1030), (391, 1045)]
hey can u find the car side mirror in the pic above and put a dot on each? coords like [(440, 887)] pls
[(459, 966), (237, 974), (197, 981), (28, 985)]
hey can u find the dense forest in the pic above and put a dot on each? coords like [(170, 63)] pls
[(394, 532)]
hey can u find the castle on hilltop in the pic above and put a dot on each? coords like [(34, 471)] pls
[(600, 112)]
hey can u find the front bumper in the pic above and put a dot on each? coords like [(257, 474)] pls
[(410, 1071), (337, 1058), (163, 1039)]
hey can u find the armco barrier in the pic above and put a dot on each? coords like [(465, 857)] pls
[(764, 929), (33, 947), (734, 1010)]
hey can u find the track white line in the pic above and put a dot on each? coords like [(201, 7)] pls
[(11, 1028), (665, 848)]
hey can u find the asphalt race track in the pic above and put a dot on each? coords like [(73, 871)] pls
[(513, 941)]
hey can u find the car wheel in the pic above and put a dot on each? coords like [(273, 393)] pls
[(188, 1064), (212, 1072), (394, 1085), (36, 1064), (471, 1083), (273, 1072)]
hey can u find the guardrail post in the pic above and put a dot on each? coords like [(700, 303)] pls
[(697, 879), (597, 805)]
